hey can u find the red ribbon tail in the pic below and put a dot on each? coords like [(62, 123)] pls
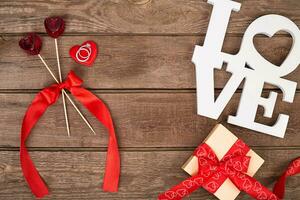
[(252, 187), (279, 187), (101, 112), (293, 169), (183, 189), (32, 177), (36, 109), (112, 169)]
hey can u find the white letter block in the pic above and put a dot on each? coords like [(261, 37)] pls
[(259, 71), (210, 57), (264, 71)]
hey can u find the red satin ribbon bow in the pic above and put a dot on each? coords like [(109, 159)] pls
[(39, 105), (212, 173)]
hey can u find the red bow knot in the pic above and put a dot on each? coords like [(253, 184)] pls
[(212, 173), (228, 167), (71, 81), (215, 172), (39, 105), (51, 94)]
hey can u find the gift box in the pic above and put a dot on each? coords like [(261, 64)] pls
[(221, 140)]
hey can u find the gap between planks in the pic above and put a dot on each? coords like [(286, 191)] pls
[(200, 34), (129, 90), (133, 149)]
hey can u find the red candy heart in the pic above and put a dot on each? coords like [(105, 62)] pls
[(31, 43), (55, 26), (84, 54)]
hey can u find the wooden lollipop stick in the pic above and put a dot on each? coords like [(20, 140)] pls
[(69, 98), (58, 62), (49, 70), (84, 119), (62, 94)]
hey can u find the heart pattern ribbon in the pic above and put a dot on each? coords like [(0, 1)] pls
[(39, 105), (212, 173), (84, 54), (292, 169)]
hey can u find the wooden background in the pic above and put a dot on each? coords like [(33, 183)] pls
[(145, 75)]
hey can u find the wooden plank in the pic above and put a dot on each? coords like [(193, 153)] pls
[(135, 16), (141, 120), (160, 62), (78, 175)]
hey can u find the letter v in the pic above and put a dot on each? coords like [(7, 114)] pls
[(210, 57)]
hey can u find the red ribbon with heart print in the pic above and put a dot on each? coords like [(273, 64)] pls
[(212, 173), (292, 169), (39, 105)]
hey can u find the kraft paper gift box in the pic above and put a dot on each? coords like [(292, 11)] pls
[(221, 140)]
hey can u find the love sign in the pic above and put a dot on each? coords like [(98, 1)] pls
[(249, 65)]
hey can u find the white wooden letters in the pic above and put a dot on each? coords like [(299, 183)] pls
[(258, 71)]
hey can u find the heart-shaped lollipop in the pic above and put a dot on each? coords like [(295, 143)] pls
[(31, 43), (55, 26), (84, 54)]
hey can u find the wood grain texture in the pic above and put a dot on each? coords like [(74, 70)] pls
[(78, 175), (127, 62), (141, 120), (139, 16), (145, 75)]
